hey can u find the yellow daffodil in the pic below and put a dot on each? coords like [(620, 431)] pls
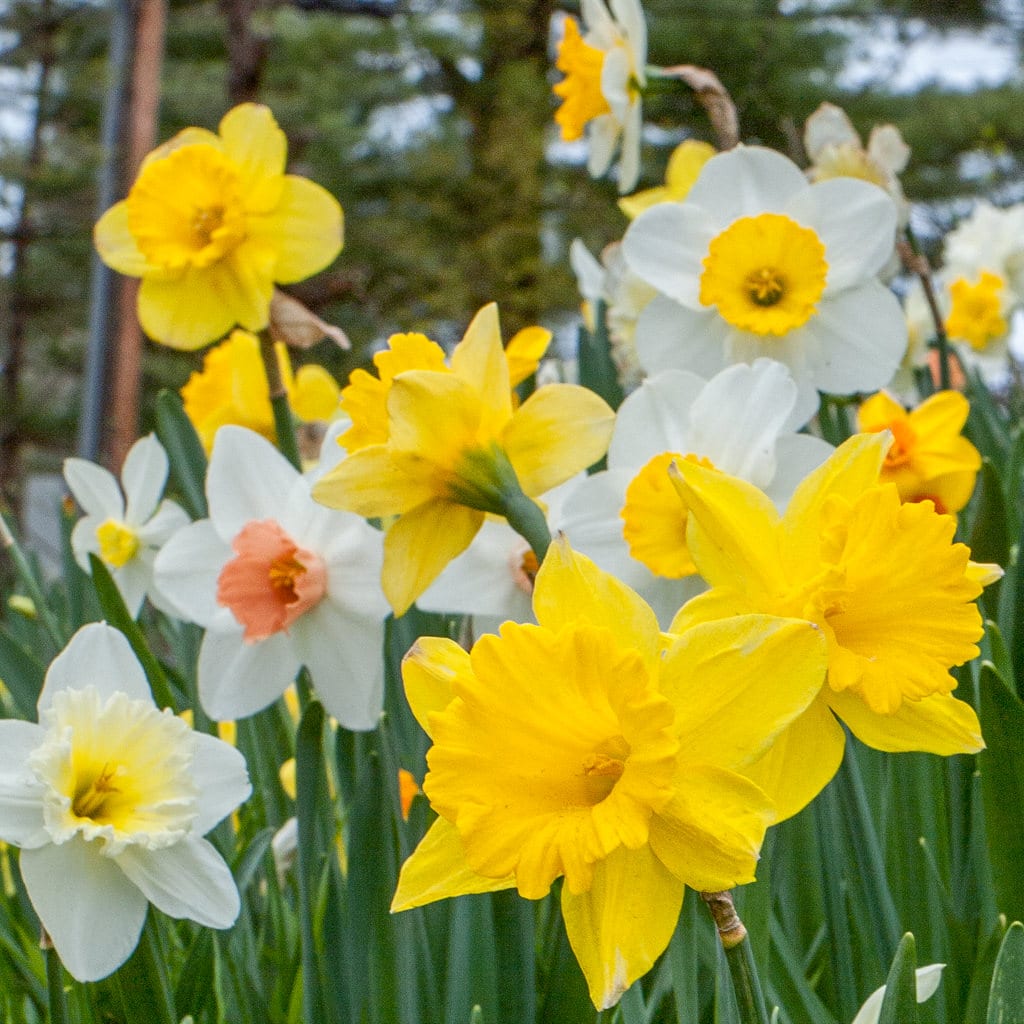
[(211, 223), (928, 459), (884, 581), (584, 748), (457, 448), (232, 388), (684, 167), (978, 310)]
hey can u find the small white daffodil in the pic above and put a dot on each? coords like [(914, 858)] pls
[(927, 980)]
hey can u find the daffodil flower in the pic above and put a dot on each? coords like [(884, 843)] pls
[(278, 582), (456, 448), (757, 262), (884, 581), (211, 223), (582, 748), (990, 239), (684, 166), (109, 798), (929, 459), (126, 530), (604, 70)]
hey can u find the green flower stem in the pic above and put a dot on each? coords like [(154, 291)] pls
[(31, 583), (284, 425), (738, 954), (923, 271), (527, 518), (54, 982)]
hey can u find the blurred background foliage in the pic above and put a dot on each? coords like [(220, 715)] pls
[(431, 121)]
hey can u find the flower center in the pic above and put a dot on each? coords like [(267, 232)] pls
[(185, 209), (604, 767), (271, 581), (115, 769), (764, 274), (118, 542), (580, 90), (903, 443), (524, 566), (977, 312)]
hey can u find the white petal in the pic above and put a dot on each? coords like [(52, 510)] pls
[(248, 479), (354, 559), (629, 160), (94, 488), (21, 806), (143, 477), (927, 979), (665, 247), (237, 679), (857, 223), (83, 540), (796, 456), (170, 517), (132, 580), (615, 82), (92, 912), (188, 879), (828, 126), (344, 655), (746, 181), (186, 571), (597, 19), (602, 136), (672, 337), (589, 273), (886, 145), (629, 14), (654, 419), (97, 655), (220, 774), (862, 337)]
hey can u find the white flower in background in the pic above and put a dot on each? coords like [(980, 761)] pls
[(109, 798), (835, 151), (990, 239), (604, 70), (278, 581), (927, 979), (757, 262), (630, 520), (125, 530)]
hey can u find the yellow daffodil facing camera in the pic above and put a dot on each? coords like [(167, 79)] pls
[(884, 581), (590, 747), (456, 448), (211, 223)]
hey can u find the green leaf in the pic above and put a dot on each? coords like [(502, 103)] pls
[(21, 671), (1002, 786), (900, 1003), (596, 367), (142, 982), (990, 540), (185, 452), (1006, 1001)]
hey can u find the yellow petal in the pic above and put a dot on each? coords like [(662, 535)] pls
[(712, 605), (376, 482), (878, 411), (436, 415), (558, 431), (116, 244), (945, 412), (254, 142), (570, 588), (732, 533), (984, 572), (437, 870), (429, 672), (304, 229), (623, 923), (315, 394), (801, 761), (939, 724), (738, 683), (186, 137), (524, 352), (480, 361), (710, 834), (421, 544)]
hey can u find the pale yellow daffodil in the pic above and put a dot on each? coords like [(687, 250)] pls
[(585, 748), (884, 581), (457, 448)]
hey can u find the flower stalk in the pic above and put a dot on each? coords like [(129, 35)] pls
[(54, 981), (738, 954), (284, 425), (28, 578), (917, 263)]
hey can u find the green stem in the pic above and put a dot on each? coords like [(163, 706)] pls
[(284, 425), (746, 981), (54, 982), (923, 272), (527, 518), (31, 584)]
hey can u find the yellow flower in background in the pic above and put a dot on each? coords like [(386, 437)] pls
[(928, 458), (978, 310), (585, 748), (684, 167), (232, 388), (456, 446), (884, 581), (211, 223)]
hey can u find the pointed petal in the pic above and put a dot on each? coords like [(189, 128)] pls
[(143, 476), (435, 415), (94, 488), (429, 672), (670, 336), (222, 779), (90, 909), (186, 571), (623, 923), (480, 361), (116, 244), (438, 870), (237, 679), (21, 798), (378, 481), (257, 146)]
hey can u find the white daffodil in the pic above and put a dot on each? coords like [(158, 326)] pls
[(629, 518), (927, 980), (278, 581), (757, 262), (125, 530), (109, 798), (990, 240), (604, 70)]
